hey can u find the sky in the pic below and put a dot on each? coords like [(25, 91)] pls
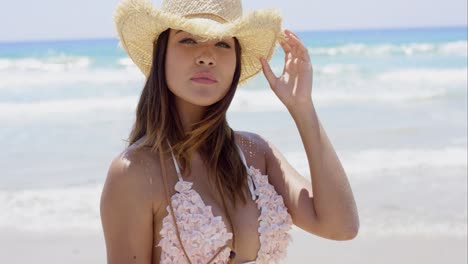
[(62, 19)]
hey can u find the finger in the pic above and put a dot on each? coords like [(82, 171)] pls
[(287, 52), (295, 41), (294, 68), (270, 76), (297, 53), (292, 33), (298, 49), (286, 47), (288, 63)]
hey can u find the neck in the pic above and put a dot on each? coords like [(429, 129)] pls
[(189, 114)]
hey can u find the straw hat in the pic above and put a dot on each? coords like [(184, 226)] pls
[(139, 24)]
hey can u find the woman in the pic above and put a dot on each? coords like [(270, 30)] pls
[(188, 188)]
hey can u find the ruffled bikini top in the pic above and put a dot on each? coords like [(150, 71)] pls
[(204, 236)]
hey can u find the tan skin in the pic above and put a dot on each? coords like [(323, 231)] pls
[(133, 201)]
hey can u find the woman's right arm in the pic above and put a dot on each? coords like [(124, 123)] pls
[(127, 207)]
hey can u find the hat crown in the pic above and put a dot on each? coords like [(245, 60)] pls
[(227, 10)]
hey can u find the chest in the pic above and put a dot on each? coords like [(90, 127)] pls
[(204, 226), (244, 217), (245, 222)]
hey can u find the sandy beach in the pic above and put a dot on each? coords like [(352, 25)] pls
[(22, 247)]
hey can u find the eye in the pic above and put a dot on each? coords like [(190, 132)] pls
[(223, 44), (187, 41)]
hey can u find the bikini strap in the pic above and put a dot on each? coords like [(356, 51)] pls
[(242, 156), (250, 181), (175, 163), (168, 200)]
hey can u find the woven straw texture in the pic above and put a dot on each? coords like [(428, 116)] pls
[(139, 24)]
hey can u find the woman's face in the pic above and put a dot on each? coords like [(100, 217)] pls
[(198, 72)]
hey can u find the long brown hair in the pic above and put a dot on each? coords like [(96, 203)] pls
[(157, 120)]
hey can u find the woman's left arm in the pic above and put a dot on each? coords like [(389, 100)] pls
[(331, 211)]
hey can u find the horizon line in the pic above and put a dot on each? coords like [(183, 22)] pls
[(298, 31)]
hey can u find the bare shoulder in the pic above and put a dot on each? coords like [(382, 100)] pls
[(136, 173), (254, 141), (130, 198), (254, 148)]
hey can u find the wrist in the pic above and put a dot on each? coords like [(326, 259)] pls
[(302, 107)]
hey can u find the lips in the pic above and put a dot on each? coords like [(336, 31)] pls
[(204, 77)]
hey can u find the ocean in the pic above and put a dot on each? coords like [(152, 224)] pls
[(392, 101)]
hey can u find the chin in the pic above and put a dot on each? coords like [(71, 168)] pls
[(204, 102), (204, 97)]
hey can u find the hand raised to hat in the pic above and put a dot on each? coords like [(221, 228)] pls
[(294, 86)]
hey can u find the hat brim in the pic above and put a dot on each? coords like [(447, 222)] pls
[(139, 24)]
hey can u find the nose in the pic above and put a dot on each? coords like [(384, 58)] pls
[(206, 59)]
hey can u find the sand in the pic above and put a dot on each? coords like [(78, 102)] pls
[(82, 247)]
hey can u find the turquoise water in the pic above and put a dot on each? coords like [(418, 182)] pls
[(393, 102)]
